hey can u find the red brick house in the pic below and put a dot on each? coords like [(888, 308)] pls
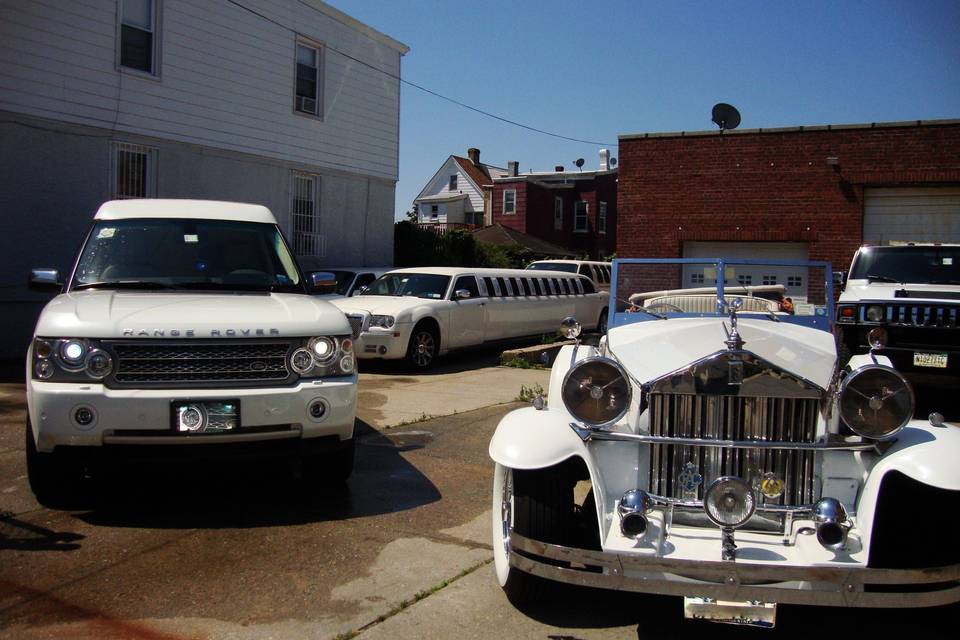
[(575, 209), (813, 193)]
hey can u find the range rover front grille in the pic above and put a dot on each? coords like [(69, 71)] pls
[(721, 417), (234, 363), (918, 315)]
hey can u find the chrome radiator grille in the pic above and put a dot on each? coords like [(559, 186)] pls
[(733, 418), (172, 363), (918, 315)]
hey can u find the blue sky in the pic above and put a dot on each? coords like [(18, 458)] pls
[(595, 70)]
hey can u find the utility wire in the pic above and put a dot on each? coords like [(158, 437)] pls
[(425, 89)]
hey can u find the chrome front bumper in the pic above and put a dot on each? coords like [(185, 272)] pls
[(739, 581)]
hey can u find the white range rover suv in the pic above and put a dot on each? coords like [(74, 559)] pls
[(186, 323)]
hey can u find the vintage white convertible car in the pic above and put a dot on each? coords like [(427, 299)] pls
[(720, 453)]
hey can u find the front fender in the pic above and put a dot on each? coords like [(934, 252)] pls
[(532, 439), (922, 452), (863, 359)]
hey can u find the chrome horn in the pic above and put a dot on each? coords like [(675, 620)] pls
[(633, 509), (832, 525)]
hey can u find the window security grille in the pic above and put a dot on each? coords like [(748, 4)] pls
[(794, 281), (745, 280), (305, 217), (696, 278), (133, 167), (769, 279)]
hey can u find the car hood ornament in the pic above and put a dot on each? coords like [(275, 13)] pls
[(734, 342)]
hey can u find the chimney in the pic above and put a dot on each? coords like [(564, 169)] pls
[(604, 159), (474, 154), (558, 168), (513, 168)]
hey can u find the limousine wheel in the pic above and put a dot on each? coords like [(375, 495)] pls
[(424, 343), (534, 503)]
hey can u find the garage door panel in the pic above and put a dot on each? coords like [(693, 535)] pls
[(795, 279), (919, 214)]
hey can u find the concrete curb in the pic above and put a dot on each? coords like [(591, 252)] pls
[(539, 355)]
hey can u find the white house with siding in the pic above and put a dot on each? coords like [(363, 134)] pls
[(455, 194), (287, 103)]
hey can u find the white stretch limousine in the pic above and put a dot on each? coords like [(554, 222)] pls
[(424, 312)]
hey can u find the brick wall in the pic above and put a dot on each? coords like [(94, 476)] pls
[(771, 185)]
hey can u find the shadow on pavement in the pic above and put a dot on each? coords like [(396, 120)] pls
[(18, 535), (245, 494), (12, 370)]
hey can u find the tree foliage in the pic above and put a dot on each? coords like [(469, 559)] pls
[(414, 246)]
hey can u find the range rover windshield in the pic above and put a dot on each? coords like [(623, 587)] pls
[(919, 264), (420, 285), (173, 253)]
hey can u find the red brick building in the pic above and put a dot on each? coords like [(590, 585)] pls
[(813, 193), (576, 210)]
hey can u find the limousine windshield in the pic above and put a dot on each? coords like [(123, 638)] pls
[(420, 285), (553, 266)]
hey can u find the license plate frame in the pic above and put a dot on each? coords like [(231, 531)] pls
[(749, 614), (216, 416), (930, 360)]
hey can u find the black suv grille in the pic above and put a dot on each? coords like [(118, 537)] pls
[(179, 363)]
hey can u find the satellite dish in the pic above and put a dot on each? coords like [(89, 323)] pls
[(725, 116), (579, 163), (613, 162)]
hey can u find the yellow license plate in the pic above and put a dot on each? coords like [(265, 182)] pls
[(936, 360)]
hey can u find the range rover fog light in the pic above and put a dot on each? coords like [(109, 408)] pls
[(99, 364), (84, 416), (301, 361), (832, 526), (318, 409), (633, 509), (191, 417), (878, 338), (71, 352), (570, 328), (42, 348), (43, 369), (324, 349), (729, 502), (596, 391), (875, 401)]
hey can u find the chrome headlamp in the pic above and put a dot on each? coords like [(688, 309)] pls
[(382, 322), (324, 356), (729, 502), (596, 391), (70, 360), (875, 401)]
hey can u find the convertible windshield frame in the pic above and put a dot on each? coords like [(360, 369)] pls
[(281, 257), (822, 319)]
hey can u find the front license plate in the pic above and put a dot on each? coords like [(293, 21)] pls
[(752, 614), (205, 416), (936, 360)]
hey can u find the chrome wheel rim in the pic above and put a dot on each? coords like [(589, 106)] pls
[(423, 347), (506, 509)]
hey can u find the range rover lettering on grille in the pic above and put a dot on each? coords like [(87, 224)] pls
[(192, 333)]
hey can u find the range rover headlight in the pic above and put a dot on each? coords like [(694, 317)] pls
[(302, 361), (71, 352), (324, 349), (98, 363), (324, 356), (382, 322), (875, 401), (596, 391), (70, 360)]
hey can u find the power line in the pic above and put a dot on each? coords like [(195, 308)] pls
[(429, 91)]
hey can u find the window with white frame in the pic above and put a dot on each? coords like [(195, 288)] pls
[(558, 213), (745, 279), (601, 217), (580, 212), (769, 279), (696, 278), (453, 182), (138, 35), (794, 281), (133, 171), (305, 215), (510, 202), (309, 84)]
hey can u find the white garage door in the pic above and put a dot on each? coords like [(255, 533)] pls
[(927, 214), (794, 278)]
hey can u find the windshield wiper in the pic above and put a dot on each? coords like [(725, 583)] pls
[(871, 277)]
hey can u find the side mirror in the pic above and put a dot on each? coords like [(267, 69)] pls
[(569, 328), (322, 282), (840, 278), (461, 294), (45, 280)]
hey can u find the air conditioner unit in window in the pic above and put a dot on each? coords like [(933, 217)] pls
[(308, 105)]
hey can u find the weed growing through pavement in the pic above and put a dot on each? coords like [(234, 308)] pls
[(527, 394), (520, 363)]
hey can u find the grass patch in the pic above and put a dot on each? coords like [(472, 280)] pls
[(423, 418), (520, 363), (527, 394)]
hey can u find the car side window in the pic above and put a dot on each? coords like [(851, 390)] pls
[(503, 287), (556, 287), (363, 280), (469, 283), (491, 292), (587, 285), (584, 270)]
